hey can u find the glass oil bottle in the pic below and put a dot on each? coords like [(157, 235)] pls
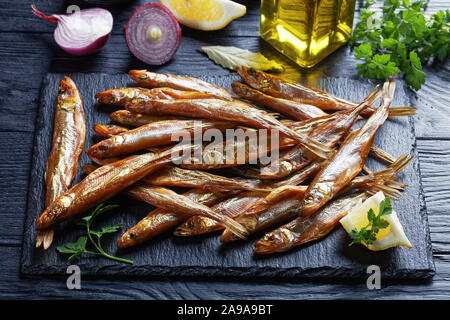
[(306, 31)]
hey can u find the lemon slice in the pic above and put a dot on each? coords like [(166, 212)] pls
[(205, 14), (389, 237)]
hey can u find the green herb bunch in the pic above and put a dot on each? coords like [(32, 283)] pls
[(368, 234), (402, 39), (80, 246)]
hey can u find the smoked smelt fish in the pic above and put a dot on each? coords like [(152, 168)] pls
[(103, 183), (284, 203), (161, 220), (237, 150), (231, 207), (234, 152), (170, 200), (282, 210), (121, 96), (279, 87), (382, 180), (306, 229), (153, 80), (133, 119), (170, 93), (313, 227), (178, 177), (150, 135), (239, 204), (68, 142), (329, 133), (236, 111), (220, 157), (172, 176), (108, 130), (349, 160), (293, 109), (212, 160)]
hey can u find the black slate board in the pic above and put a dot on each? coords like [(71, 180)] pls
[(205, 256)]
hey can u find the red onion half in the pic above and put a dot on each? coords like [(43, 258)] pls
[(82, 32), (153, 34)]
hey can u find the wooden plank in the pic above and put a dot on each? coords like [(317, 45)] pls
[(25, 57), (14, 173), (433, 103), (434, 161)]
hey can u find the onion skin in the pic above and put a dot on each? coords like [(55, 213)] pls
[(90, 49), (138, 30), (72, 31)]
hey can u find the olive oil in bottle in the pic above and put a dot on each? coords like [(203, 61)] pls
[(306, 31)]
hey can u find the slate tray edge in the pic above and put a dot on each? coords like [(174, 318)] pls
[(26, 259), (423, 206), (206, 272)]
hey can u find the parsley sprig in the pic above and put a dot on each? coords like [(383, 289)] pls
[(402, 39), (368, 234), (80, 246)]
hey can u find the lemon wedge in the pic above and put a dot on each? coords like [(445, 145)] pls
[(205, 14), (389, 237)]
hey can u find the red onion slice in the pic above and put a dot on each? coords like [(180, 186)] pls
[(82, 32), (153, 34)]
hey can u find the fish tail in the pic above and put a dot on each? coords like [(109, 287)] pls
[(401, 162), (402, 112), (235, 227), (317, 148), (382, 155)]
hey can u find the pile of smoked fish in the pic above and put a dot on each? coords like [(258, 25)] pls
[(318, 177)]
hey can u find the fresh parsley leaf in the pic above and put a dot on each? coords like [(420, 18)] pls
[(368, 234), (79, 247), (413, 72), (379, 66), (389, 43), (105, 230), (363, 51), (371, 215), (111, 229), (74, 248), (402, 40), (355, 235)]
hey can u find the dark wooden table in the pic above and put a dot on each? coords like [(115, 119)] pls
[(27, 52)]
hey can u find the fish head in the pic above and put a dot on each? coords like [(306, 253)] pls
[(275, 241)]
